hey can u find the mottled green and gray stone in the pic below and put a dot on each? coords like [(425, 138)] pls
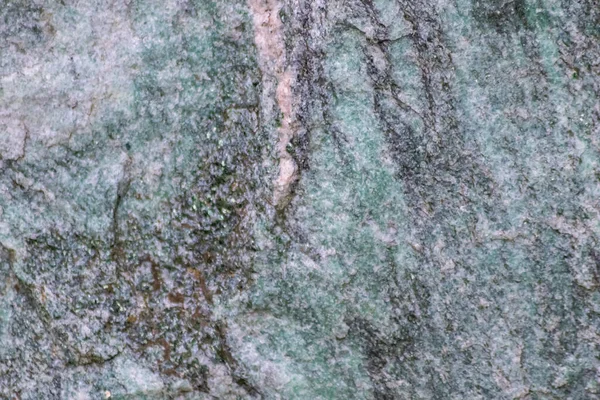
[(440, 238)]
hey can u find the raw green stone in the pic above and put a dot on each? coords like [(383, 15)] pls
[(438, 237)]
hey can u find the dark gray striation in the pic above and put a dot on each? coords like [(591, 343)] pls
[(299, 199)]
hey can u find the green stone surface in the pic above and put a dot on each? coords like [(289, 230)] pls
[(439, 237)]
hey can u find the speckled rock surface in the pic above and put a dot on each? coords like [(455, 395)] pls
[(299, 199)]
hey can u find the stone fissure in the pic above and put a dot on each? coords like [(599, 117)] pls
[(296, 199)]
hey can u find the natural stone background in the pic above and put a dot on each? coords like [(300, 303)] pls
[(299, 199)]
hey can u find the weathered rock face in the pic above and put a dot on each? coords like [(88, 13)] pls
[(329, 199)]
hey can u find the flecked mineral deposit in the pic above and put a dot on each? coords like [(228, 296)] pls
[(300, 199)]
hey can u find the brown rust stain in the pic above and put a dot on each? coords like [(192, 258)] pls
[(176, 298), (199, 277)]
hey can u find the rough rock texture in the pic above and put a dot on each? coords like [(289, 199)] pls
[(299, 199)]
